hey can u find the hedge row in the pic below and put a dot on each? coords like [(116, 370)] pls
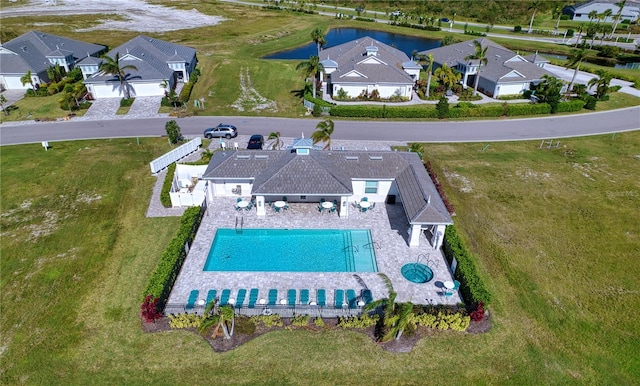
[(471, 285), (185, 94), (162, 280), (165, 197), (428, 111)]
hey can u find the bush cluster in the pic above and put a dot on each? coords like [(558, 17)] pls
[(165, 197), (456, 321), (472, 287), (473, 33), (268, 321), (149, 309), (362, 321), (124, 102), (185, 94), (441, 192), (161, 282), (415, 26), (300, 320), (569, 106), (185, 320)]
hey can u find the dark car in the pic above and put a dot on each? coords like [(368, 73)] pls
[(255, 142), (220, 131), (445, 20)]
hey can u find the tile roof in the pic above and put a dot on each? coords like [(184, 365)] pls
[(384, 67), (283, 172), (34, 47)]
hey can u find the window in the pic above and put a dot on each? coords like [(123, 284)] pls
[(371, 187)]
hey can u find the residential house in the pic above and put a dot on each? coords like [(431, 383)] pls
[(36, 51), (581, 11), (304, 174), (157, 61), (505, 73), (365, 65)]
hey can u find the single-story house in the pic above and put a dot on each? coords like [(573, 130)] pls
[(36, 51), (157, 61), (366, 65), (505, 73), (303, 174), (581, 11)]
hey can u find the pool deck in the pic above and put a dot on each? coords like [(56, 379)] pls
[(389, 231)]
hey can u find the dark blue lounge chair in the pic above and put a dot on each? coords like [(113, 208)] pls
[(352, 299), (211, 295), (224, 298), (240, 300), (253, 297), (304, 296), (338, 298), (273, 297), (193, 297), (291, 297), (321, 297)]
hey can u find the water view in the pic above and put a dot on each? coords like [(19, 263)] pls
[(337, 36)]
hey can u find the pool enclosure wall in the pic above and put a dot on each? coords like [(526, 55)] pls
[(187, 189)]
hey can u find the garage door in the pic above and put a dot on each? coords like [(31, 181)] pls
[(510, 89), (105, 91), (13, 82)]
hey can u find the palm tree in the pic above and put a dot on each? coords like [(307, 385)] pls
[(26, 79), (112, 67), (429, 60), (324, 132), (581, 28), (533, 7), (575, 59), (601, 82), (219, 316), (618, 15), (396, 316), (447, 76), (275, 136), (480, 55), (317, 35), (3, 100), (311, 67)]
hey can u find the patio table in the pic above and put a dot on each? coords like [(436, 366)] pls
[(327, 205), (280, 204), (365, 204), (242, 204)]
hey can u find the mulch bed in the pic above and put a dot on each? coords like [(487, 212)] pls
[(403, 345)]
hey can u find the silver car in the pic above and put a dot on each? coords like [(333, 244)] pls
[(222, 130)]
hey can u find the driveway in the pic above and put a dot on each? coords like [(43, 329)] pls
[(584, 78), (13, 96)]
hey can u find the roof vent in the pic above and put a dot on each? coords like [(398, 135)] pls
[(261, 156), (497, 56), (351, 157), (243, 156), (375, 157)]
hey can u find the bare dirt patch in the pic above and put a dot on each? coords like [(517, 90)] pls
[(250, 99), (133, 15)]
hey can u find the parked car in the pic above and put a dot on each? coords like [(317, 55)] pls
[(222, 130), (255, 142), (396, 13), (445, 20)]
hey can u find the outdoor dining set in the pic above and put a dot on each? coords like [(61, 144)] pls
[(365, 205), (327, 206)]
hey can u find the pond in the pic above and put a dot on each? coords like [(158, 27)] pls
[(337, 36)]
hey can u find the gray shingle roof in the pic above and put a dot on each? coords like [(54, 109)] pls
[(150, 56), (349, 57), (500, 61), (33, 48), (283, 172)]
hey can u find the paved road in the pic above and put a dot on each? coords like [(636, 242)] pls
[(441, 131)]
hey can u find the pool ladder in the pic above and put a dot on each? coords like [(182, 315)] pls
[(239, 224)]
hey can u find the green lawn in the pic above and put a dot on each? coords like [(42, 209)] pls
[(555, 231)]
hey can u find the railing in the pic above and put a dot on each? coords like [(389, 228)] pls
[(310, 105), (180, 152), (284, 311)]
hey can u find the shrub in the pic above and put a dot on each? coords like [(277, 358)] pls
[(185, 94), (244, 325), (149, 309), (126, 102), (268, 321), (472, 287), (517, 28), (478, 314), (573, 105), (528, 109), (317, 110), (162, 279), (300, 320), (173, 131), (185, 321), (319, 322), (590, 102), (165, 198), (442, 107), (570, 33), (363, 321), (441, 192)]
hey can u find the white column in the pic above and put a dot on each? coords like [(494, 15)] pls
[(344, 204), (438, 236), (414, 235), (260, 210)]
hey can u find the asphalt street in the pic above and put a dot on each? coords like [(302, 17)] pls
[(441, 131)]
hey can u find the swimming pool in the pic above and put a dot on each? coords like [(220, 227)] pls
[(292, 250)]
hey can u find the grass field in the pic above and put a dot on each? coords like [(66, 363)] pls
[(556, 232)]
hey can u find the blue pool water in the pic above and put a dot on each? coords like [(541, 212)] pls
[(292, 250), (337, 36)]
